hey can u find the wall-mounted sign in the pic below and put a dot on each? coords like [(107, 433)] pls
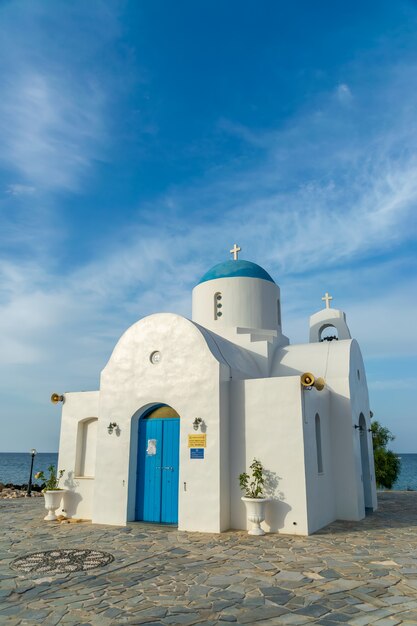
[(196, 453), (151, 449), (197, 441)]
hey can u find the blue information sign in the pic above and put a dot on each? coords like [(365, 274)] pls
[(196, 453)]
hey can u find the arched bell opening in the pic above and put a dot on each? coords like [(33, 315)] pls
[(154, 466), (328, 332)]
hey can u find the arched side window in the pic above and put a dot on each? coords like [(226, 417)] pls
[(279, 312), (218, 305), (86, 447), (318, 445)]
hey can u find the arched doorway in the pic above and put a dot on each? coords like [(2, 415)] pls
[(158, 466), (366, 475)]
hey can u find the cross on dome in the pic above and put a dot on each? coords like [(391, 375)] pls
[(327, 298), (235, 251)]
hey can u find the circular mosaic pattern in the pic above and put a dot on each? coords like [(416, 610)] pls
[(61, 561)]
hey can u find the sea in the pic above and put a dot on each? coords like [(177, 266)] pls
[(15, 468)]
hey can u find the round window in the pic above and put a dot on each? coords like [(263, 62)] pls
[(155, 357)]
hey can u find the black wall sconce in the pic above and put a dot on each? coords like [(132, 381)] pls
[(197, 423), (111, 427)]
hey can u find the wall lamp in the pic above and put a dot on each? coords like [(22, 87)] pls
[(111, 427), (197, 423)]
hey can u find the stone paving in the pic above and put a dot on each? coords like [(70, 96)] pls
[(349, 573)]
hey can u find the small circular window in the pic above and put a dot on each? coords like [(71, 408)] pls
[(155, 357)]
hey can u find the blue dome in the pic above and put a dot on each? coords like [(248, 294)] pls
[(231, 269)]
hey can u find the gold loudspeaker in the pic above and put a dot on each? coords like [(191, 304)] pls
[(308, 381), (55, 398)]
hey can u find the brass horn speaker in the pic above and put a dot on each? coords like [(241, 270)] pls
[(319, 384), (55, 398), (307, 379)]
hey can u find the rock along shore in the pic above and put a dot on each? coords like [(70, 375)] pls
[(10, 491)]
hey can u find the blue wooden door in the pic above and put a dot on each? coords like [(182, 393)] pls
[(158, 470)]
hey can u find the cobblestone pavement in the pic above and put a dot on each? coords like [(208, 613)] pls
[(349, 573)]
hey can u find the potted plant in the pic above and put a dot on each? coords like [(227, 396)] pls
[(253, 487), (51, 491)]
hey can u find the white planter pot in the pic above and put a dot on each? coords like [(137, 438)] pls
[(52, 503), (255, 511)]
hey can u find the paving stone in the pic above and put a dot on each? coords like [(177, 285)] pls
[(313, 610), (329, 573), (190, 618), (340, 617), (251, 617)]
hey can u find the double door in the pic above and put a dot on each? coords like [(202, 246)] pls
[(158, 470)]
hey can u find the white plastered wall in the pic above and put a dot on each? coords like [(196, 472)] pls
[(337, 362), (187, 378), (267, 424), (320, 486), (77, 407)]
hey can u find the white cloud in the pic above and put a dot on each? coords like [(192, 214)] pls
[(20, 190), (344, 94), (49, 137)]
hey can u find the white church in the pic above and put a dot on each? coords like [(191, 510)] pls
[(184, 406)]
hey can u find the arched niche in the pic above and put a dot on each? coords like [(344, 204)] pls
[(85, 461)]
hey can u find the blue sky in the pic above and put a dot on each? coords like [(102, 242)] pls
[(140, 140)]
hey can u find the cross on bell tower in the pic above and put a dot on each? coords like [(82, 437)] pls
[(235, 251), (327, 298)]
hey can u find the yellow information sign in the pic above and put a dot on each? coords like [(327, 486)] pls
[(197, 441)]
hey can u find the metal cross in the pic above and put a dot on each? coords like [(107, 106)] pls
[(235, 251), (327, 298)]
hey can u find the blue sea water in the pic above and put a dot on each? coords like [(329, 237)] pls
[(15, 466), (408, 474)]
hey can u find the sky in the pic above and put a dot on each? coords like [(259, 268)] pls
[(140, 140)]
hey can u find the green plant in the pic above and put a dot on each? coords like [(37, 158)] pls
[(253, 484), (52, 482), (387, 463)]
